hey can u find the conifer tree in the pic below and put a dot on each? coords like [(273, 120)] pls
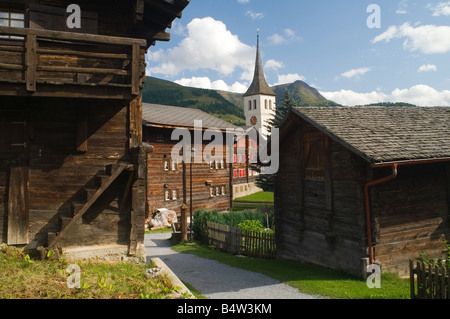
[(265, 182)]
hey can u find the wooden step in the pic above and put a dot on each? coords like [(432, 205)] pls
[(64, 221), (92, 195), (76, 207)]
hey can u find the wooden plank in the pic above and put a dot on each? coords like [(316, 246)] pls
[(31, 62), (135, 74), (18, 205), (69, 36)]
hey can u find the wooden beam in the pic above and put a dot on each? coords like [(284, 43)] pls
[(18, 209), (71, 36), (31, 62), (135, 72)]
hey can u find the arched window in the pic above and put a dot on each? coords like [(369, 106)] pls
[(254, 104), (270, 104), (249, 105), (265, 104)]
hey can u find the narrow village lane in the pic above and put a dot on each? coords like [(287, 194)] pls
[(216, 280)]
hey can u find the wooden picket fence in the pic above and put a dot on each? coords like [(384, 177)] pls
[(238, 242), (429, 282)]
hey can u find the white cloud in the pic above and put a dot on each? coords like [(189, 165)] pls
[(428, 39), (273, 65), (206, 83), (243, 1), (355, 72), (402, 7), (421, 95), (427, 68), (287, 36), (208, 45), (289, 78), (442, 8), (254, 15)]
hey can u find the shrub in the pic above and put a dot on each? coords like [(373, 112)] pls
[(251, 225), (233, 219)]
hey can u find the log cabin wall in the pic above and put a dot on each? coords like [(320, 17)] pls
[(168, 182), (411, 215), (319, 205), (59, 171)]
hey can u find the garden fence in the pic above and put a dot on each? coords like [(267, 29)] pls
[(429, 281), (239, 242)]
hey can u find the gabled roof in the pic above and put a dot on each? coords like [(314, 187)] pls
[(157, 115), (259, 84), (385, 134)]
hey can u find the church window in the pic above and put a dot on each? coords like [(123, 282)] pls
[(254, 104), (249, 105), (265, 104), (270, 104)]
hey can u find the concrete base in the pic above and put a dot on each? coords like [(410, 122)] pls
[(112, 252)]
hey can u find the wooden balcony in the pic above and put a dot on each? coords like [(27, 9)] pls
[(74, 65)]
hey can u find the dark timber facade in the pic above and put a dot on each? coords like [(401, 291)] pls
[(71, 154), (363, 185)]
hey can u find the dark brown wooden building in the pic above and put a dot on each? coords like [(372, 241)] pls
[(71, 155), (362, 185), (169, 178)]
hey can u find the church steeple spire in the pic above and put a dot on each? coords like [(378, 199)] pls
[(259, 84)]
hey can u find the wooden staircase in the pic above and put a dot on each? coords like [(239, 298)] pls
[(102, 181)]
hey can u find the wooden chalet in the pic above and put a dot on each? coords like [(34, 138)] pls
[(363, 185), (169, 179), (71, 154)]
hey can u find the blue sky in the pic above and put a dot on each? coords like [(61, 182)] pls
[(404, 56)]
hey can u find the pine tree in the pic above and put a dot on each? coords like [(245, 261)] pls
[(265, 181)]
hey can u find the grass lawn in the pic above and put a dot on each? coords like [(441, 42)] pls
[(24, 278), (257, 197), (309, 278)]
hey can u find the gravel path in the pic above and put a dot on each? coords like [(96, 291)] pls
[(216, 280)]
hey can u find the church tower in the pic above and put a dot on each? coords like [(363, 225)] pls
[(260, 99)]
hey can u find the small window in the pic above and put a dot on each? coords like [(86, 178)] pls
[(270, 104), (223, 190), (249, 105), (222, 164), (211, 164), (174, 164), (160, 137), (217, 164), (166, 195), (315, 156), (166, 165), (265, 104), (217, 190), (235, 173), (211, 192), (254, 104), (174, 194), (11, 19)]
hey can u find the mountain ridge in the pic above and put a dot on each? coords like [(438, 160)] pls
[(226, 105)]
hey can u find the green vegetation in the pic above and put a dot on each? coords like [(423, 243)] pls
[(309, 278), (202, 217), (21, 277), (257, 197), (168, 93)]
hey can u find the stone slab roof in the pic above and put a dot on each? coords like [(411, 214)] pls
[(385, 134), (180, 117)]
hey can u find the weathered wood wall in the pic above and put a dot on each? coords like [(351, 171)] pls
[(411, 215), (59, 172), (320, 220), (204, 178)]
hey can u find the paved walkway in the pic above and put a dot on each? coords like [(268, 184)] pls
[(216, 280)]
